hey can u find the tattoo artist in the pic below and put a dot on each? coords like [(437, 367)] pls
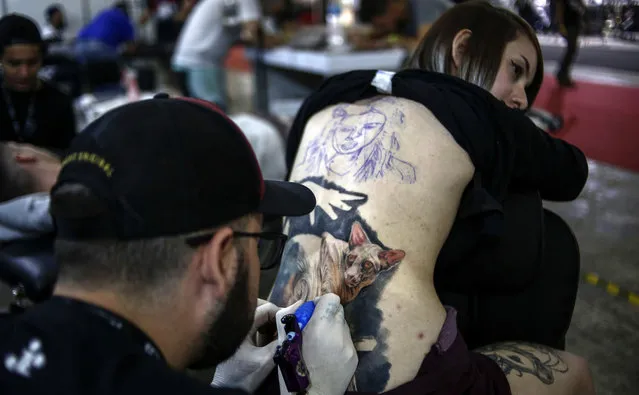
[(160, 266)]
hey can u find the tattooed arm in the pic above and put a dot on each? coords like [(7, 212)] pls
[(536, 369)]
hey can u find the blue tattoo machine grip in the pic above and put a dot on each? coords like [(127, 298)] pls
[(304, 313)]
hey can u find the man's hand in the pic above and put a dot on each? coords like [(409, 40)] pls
[(251, 364), (27, 153), (42, 165), (327, 347)]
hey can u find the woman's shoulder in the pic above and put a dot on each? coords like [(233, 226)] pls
[(463, 101), (447, 84)]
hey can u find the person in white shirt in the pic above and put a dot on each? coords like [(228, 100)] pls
[(53, 30), (266, 136), (211, 29)]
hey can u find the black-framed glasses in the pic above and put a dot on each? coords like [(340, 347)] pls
[(270, 245)]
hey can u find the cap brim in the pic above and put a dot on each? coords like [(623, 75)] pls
[(288, 199)]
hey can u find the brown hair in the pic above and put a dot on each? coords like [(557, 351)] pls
[(492, 29)]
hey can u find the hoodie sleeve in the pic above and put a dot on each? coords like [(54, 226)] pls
[(559, 170), (25, 217)]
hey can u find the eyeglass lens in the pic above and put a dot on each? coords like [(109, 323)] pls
[(270, 252)]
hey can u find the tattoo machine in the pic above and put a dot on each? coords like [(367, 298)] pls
[(288, 355)]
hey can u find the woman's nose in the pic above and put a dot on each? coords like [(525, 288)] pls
[(519, 99)]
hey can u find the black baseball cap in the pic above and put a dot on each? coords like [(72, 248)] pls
[(18, 29), (166, 167)]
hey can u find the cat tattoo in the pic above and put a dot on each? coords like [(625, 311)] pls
[(339, 267)]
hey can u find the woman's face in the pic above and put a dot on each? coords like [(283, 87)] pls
[(355, 132), (516, 72)]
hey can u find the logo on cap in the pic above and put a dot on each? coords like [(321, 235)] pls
[(91, 158)]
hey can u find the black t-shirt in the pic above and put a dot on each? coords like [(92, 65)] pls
[(572, 13), (66, 347), (53, 123)]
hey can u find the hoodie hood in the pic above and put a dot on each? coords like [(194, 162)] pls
[(26, 217)]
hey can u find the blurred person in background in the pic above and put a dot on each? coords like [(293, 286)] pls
[(32, 111), (27, 174), (531, 14), (266, 134), (281, 15), (397, 22), (568, 16), (107, 36), (211, 29), (53, 29), (170, 16)]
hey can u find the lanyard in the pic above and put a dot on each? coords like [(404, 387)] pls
[(28, 128), (119, 324)]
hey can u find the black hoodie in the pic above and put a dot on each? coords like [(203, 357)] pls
[(509, 152)]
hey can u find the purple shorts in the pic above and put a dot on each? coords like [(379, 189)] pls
[(451, 369)]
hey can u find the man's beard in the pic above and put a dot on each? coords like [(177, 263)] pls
[(230, 327)]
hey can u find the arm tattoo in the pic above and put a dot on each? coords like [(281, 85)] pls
[(525, 358)]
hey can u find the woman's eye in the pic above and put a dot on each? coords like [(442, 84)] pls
[(518, 71)]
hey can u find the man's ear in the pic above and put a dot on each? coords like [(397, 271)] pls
[(219, 262), (460, 46)]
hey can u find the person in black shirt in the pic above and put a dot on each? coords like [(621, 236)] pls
[(157, 244), (397, 22), (31, 110), (568, 15)]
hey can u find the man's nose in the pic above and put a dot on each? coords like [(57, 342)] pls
[(23, 71)]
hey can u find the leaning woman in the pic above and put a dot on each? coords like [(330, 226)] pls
[(429, 184)]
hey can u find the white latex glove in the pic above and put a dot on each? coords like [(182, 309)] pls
[(250, 365), (327, 347)]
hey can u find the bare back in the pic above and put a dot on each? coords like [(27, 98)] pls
[(388, 179)]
